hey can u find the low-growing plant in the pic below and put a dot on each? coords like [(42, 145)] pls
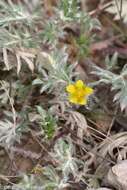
[(64, 153), (118, 82), (43, 106), (47, 122), (8, 126), (58, 73), (54, 178)]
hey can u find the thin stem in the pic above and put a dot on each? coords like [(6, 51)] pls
[(119, 8), (11, 103)]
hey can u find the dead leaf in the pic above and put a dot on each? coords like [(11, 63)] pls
[(88, 5), (100, 46), (116, 9), (27, 57), (5, 57), (81, 123), (103, 188), (114, 142), (48, 4), (82, 73), (45, 60), (117, 176)]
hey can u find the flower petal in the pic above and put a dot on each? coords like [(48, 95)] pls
[(71, 88), (79, 84), (79, 92), (82, 101), (88, 90), (73, 99)]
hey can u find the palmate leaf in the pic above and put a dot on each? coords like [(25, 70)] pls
[(11, 17), (64, 153), (118, 83), (22, 57), (47, 122), (68, 9), (15, 13), (58, 74), (50, 180), (111, 63), (27, 58), (8, 134), (121, 95), (3, 94)]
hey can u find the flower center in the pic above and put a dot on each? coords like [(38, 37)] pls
[(80, 93)]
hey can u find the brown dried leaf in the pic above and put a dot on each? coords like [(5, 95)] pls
[(103, 188), (117, 176), (5, 57), (116, 142), (81, 123), (117, 5), (100, 46), (27, 57), (48, 4)]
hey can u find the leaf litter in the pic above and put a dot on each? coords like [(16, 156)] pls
[(47, 142)]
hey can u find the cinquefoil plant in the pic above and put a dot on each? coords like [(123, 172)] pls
[(64, 154), (55, 72), (118, 83)]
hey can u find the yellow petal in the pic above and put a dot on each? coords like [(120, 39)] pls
[(79, 84), (82, 101), (70, 88), (88, 90), (73, 99)]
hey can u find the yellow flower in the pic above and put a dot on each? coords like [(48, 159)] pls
[(79, 92)]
